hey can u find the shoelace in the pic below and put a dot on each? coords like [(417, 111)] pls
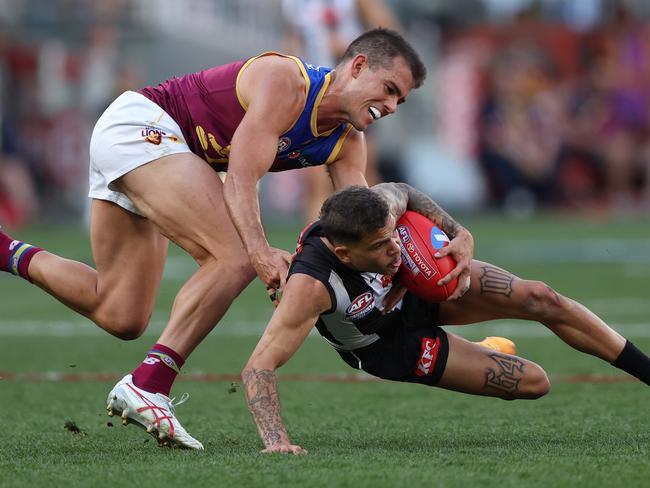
[(173, 403)]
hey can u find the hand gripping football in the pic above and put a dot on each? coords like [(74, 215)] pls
[(420, 272)]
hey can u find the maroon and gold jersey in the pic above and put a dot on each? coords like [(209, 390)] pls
[(208, 108)]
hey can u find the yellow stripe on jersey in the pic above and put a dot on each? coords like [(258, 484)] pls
[(339, 144), (314, 110)]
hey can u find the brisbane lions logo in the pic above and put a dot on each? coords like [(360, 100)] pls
[(283, 144), (153, 135)]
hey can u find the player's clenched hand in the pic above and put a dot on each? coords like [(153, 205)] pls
[(285, 448), (461, 248), (272, 266)]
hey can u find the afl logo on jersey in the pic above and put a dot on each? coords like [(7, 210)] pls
[(284, 143), (360, 307)]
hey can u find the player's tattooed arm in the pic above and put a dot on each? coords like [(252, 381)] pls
[(263, 402), (402, 197), (287, 330), (395, 195)]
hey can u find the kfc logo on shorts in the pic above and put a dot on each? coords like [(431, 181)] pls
[(360, 307), (283, 144), (428, 356)]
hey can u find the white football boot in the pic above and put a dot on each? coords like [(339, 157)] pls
[(153, 412)]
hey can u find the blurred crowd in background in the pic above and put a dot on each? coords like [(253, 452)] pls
[(529, 105)]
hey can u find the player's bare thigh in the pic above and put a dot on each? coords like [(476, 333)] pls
[(494, 293), (478, 370), (183, 196), (129, 253)]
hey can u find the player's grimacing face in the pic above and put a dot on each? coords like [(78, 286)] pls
[(378, 252), (378, 91)]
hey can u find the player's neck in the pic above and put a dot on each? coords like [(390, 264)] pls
[(327, 242), (328, 115)]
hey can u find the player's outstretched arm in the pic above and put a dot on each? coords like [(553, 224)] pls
[(253, 150), (402, 197), (304, 298)]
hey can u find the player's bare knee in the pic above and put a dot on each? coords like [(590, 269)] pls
[(535, 384), (241, 270), (131, 332), (527, 381), (541, 301), (236, 266), (126, 328)]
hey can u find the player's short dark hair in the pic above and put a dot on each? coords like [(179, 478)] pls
[(382, 46), (349, 215)]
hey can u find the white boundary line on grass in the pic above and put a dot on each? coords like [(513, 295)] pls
[(512, 329), (530, 251)]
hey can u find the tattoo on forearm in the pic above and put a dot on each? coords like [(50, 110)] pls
[(264, 404), (402, 197), (423, 204), (496, 280), (508, 374)]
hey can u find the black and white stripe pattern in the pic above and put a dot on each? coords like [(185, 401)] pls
[(355, 320)]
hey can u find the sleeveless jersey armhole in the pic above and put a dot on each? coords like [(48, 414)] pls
[(339, 144), (302, 69)]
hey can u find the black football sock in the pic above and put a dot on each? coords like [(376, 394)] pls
[(633, 361)]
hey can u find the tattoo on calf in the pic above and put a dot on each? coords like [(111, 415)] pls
[(496, 280), (264, 404), (507, 376)]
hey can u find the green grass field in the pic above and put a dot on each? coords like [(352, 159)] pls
[(592, 429)]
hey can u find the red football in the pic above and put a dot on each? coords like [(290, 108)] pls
[(420, 239)]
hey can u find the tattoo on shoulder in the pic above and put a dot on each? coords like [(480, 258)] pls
[(496, 280), (507, 374)]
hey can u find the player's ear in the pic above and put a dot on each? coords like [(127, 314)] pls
[(343, 253), (359, 62)]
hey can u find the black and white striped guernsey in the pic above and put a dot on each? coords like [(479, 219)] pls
[(355, 319)]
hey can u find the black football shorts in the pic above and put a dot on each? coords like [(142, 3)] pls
[(416, 353)]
